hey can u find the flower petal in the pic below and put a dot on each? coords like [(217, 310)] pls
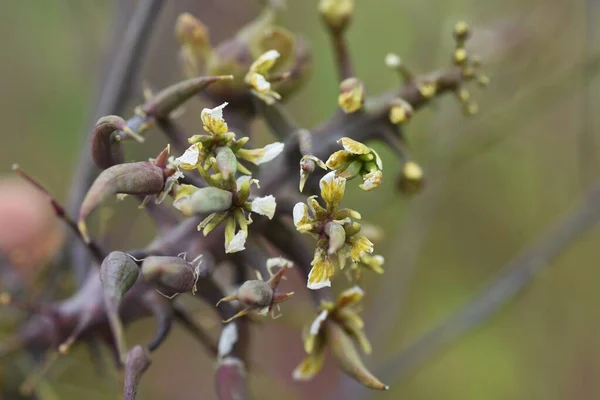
[(264, 206), (354, 147), (309, 367), (332, 188), (359, 246), (213, 121), (260, 156), (237, 243), (190, 158), (265, 62), (350, 297), (315, 327), (371, 181), (301, 216), (338, 159)]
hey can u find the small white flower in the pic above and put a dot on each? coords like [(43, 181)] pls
[(270, 151), (260, 83), (216, 113), (300, 213), (237, 243), (189, 157), (229, 336), (319, 285), (392, 60), (270, 55), (264, 206), (316, 324)]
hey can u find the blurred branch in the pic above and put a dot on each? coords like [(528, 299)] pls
[(519, 273), (116, 89)]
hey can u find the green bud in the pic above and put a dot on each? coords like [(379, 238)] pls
[(351, 170), (205, 200), (226, 162)]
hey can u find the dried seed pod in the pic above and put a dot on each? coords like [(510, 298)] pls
[(139, 178), (106, 144), (138, 361), (348, 359), (171, 274), (118, 273)]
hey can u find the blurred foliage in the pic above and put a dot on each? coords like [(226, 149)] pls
[(495, 182)]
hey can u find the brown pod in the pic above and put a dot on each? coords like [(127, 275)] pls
[(170, 274), (140, 178), (106, 146), (138, 361), (255, 293)]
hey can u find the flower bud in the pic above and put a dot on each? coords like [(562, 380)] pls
[(138, 361), (226, 161), (205, 200), (461, 31), (400, 112), (279, 39), (351, 170), (170, 274), (348, 359), (336, 13), (411, 179), (139, 178), (106, 147), (337, 236), (255, 293), (352, 95), (190, 30)]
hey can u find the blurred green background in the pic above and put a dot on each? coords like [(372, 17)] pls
[(495, 182)]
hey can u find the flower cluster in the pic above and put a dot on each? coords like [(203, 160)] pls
[(337, 326), (334, 228), (226, 198), (357, 159)]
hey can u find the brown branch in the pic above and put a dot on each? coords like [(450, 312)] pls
[(116, 88)]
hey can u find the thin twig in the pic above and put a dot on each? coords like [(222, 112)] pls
[(342, 57), (60, 212), (517, 275), (116, 89)]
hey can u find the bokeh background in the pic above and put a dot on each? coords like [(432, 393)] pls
[(495, 183)]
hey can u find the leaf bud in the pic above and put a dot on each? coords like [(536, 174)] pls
[(352, 95)]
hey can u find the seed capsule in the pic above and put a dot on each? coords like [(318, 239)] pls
[(106, 146), (170, 274), (139, 178)]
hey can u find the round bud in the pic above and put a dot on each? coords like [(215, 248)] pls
[(255, 293)]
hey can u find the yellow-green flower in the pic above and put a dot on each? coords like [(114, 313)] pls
[(232, 207), (334, 229), (256, 77), (352, 95), (370, 262), (341, 313), (220, 150), (355, 159)]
